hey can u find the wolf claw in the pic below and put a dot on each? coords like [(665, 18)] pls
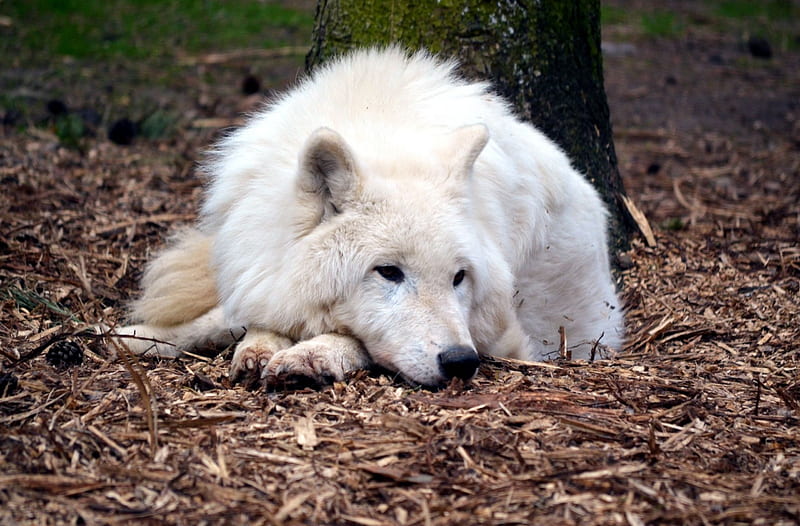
[(254, 353), (304, 363)]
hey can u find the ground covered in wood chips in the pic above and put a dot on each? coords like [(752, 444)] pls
[(697, 421)]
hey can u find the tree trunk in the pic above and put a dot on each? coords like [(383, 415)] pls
[(544, 57)]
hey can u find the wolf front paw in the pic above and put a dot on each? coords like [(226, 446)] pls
[(319, 361), (303, 365), (253, 353)]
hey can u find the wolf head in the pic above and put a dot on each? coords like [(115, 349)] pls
[(397, 257)]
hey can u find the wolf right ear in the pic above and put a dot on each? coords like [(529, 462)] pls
[(328, 170), (465, 144)]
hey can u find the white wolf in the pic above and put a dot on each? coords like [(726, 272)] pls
[(385, 212)]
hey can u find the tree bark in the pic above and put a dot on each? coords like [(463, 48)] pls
[(542, 56)]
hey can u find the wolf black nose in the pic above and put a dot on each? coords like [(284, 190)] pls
[(459, 362)]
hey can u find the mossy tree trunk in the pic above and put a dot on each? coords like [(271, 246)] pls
[(543, 56)]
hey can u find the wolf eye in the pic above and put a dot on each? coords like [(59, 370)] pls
[(458, 278), (390, 273)]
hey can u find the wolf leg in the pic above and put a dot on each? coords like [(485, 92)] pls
[(205, 332), (321, 360), (254, 352), (145, 340)]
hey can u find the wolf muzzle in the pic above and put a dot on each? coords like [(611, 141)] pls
[(458, 361)]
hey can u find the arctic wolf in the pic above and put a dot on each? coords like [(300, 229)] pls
[(385, 212)]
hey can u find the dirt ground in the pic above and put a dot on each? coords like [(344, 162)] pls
[(697, 421)]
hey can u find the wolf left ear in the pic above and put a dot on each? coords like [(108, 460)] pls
[(328, 169), (465, 144)]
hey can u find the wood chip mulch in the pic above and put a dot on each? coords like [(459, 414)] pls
[(697, 421)]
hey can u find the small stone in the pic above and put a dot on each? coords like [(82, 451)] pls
[(56, 107), (11, 117), (759, 47), (250, 85), (624, 261), (122, 132)]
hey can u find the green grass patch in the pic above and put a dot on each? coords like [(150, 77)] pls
[(158, 125), (611, 15), (776, 20), (30, 300), (674, 224), (14, 111), (648, 23), (661, 24), (143, 29), (778, 10), (70, 130)]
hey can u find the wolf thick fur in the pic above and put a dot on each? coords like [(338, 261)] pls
[(386, 211)]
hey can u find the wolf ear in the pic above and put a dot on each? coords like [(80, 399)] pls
[(327, 169), (465, 144)]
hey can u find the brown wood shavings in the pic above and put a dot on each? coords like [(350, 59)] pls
[(697, 421)]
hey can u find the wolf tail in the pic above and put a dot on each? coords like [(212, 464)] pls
[(178, 285)]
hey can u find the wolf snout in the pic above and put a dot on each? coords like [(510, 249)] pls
[(458, 361)]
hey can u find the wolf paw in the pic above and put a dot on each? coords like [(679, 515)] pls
[(320, 361), (253, 354), (305, 364)]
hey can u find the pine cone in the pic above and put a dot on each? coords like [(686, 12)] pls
[(64, 354)]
